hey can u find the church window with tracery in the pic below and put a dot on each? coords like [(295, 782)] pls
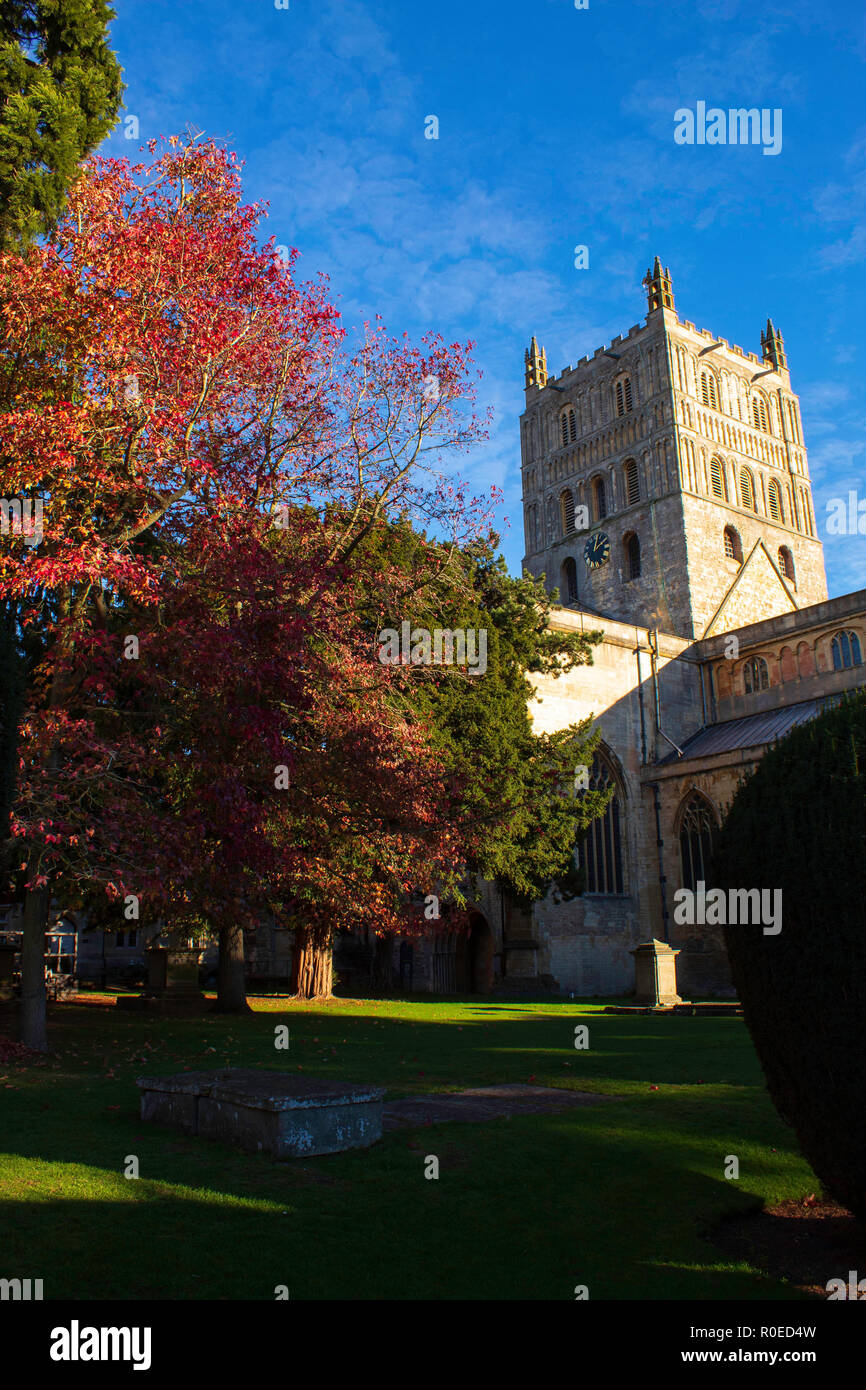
[(697, 827), (846, 651), (600, 852), (756, 675)]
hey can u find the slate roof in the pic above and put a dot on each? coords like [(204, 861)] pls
[(751, 730)]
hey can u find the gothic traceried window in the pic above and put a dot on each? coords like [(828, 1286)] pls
[(697, 827), (846, 651), (756, 675), (600, 853)]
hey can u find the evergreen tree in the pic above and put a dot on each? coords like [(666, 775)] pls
[(60, 92), (796, 828), (519, 790)]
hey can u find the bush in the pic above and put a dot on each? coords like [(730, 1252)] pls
[(798, 823)]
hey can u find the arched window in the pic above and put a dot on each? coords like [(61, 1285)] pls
[(733, 545), (759, 414), (631, 556), (846, 651), (600, 852), (569, 580), (697, 827), (568, 426), (717, 479), (599, 499), (786, 563), (566, 511), (572, 425), (756, 675), (631, 479), (747, 490), (623, 396), (774, 498), (709, 395)]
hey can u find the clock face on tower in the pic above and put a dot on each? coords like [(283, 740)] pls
[(596, 552)]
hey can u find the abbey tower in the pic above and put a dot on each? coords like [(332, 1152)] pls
[(665, 478)]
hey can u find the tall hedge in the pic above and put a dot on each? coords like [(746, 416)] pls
[(798, 823)]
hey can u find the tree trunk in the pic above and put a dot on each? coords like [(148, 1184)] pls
[(312, 965), (12, 690), (231, 984), (33, 994)]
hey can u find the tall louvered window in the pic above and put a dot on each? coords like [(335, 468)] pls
[(717, 480), (747, 489), (624, 398), (709, 395), (566, 511), (774, 498), (632, 482)]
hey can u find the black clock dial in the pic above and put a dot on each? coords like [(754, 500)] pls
[(596, 552)]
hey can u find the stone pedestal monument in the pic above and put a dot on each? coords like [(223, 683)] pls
[(655, 968)]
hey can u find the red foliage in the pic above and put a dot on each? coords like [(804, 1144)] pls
[(169, 391)]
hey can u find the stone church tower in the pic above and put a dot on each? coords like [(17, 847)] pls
[(665, 479)]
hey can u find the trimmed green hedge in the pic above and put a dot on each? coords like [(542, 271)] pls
[(798, 823)]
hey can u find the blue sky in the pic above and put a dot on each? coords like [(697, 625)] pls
[(555, 129)]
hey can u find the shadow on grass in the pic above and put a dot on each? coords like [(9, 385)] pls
[(615, 1197)]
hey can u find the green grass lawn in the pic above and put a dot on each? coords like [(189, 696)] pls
[(616, 1196)]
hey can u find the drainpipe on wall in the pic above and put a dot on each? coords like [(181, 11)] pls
[(640, 703), (660, 850), (703, 694)]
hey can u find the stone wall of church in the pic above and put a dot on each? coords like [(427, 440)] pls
[(757, 590), (798, 650), (702, 967), (585, 944)]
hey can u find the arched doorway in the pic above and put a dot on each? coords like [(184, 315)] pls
[(479, 953)]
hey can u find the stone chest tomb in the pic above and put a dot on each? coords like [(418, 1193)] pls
[(266, 1111)]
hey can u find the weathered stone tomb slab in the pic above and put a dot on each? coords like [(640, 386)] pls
[(266, 1111)]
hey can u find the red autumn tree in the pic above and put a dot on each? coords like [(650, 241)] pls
[(159, 368)]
